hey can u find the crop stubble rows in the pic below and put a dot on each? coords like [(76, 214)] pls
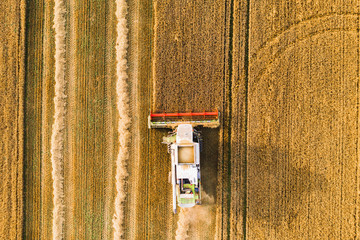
[(90, 144), (39, 109), (139, 62), (90, 169), (12, 48)]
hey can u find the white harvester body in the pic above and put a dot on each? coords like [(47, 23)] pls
[(185, 168), (184, 145)]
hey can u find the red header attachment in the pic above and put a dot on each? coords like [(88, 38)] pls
[(172, 120), (188, 114)]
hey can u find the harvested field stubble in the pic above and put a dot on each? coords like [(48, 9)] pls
[(89, 143), (12, 77), (91, 127), (190, 218), (39, 113), (139, 55), (48, 106)]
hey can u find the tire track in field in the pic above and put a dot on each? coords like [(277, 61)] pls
[(293, 36), (297, 24), (57, 138), (124, 118), (304, 189)]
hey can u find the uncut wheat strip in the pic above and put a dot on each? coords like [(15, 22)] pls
[(123, 107), (57, 137)]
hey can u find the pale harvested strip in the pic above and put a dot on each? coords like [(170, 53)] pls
[(57, 139), (191, 218), (124, 121), (183, 225)]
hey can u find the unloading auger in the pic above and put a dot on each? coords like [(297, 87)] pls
[(184, 145)]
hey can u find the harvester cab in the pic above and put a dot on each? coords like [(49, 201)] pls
[(184, 145)]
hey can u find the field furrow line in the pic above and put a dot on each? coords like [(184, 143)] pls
[(57, 138), (21, 110), (357, 179), (124, 117)]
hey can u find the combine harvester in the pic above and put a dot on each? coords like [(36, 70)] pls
[(184, 145)]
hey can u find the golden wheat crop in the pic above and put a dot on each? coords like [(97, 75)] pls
[(12, 63), (283, 74)]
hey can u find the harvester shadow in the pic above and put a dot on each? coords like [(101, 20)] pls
[(277, 190), (209, 160)]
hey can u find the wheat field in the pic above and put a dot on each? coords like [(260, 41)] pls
[(79, 78)]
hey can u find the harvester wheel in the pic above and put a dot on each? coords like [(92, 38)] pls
[(169, 148)]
